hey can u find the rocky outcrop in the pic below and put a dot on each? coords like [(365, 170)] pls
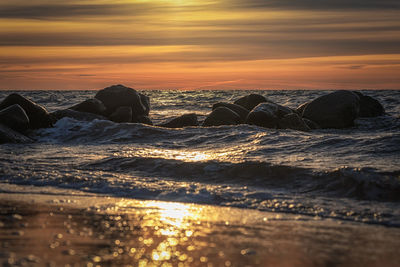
[(294, 122), (182, 121), (77, 115), (8, 135), (37, 114), (241, 111), (117, 96), (264, 115), (249, 102), (222, 116), (369, 106), (15, 118), (122, 114), (334, 110), (91, 105)]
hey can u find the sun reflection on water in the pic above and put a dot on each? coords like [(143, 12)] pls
[(174, 225)]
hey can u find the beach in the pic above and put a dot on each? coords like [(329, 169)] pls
[(54, 230)]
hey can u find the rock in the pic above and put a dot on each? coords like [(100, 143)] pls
[(250, 101), (299, 110), (15, 118), (117, 96), (182, 121), (241, 111), (8, 135), (369, 106), (334, 110), (77, 115), (146, 103), (264, 115), (92, 105), (122, 114), (144, 120), (222, 116), (312, 125), (37, 114), (293, 121)]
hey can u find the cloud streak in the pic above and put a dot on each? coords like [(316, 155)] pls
[(192, 33)]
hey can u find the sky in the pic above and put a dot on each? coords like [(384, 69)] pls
[(200, 44)]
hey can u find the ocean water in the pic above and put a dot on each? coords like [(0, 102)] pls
[(350, 174)]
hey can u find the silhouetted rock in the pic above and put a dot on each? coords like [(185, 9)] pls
[(250, 101), (8, 135), (92, 105), (369, 106), (300, 109), (293, 121), (37, 114), (122, 114), (241, 111), (312, 125), (222, 116), (15, 118), (334, 110), (182, 121), (146, 103), (117, 96), (264, 115), (77, 115), (144, 120)]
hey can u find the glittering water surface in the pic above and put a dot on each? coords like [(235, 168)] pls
[(349, 174)]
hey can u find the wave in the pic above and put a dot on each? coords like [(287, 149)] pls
[(365, 184)]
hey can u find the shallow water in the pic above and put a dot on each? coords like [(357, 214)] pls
[(350, 174)]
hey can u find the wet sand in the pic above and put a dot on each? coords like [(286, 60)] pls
[(40, 230)]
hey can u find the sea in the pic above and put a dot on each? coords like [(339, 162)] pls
[(344, 174)]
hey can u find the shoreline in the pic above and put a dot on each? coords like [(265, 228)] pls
[(56, 230)]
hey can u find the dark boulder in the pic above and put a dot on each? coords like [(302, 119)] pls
[(146, 103), (222, 116), (122, 114), (241, 111), (264, 115), (300, 109), (250, 101), (144, 120), (15, 118), (77, 115), (8, 135), (117, 96), (37, 114), (293, 121), (312, 125), (182, 121), (92, 105), (334, 110), (369, 106)]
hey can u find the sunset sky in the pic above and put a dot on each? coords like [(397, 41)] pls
[(204, 44)]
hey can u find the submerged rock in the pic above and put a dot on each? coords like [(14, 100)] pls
[(182, 121), (249, 102), (293, 121), (334, 110), (369, 106), (122, 114), (117, 96), (264, 115), (77, 115), (92, 105), (222, 116), (8, 135), (241, 111), (15, 118), (37, 114)]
